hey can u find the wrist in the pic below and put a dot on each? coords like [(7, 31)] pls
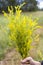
[(36, 63), (39, 63)]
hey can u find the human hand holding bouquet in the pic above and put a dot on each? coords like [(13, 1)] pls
[(21, 28), (29, 60)]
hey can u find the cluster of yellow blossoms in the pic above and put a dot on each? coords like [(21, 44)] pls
[(21, 30)]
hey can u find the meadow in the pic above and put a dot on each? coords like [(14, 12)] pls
[(4, 41)]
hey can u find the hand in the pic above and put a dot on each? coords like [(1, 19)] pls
[(30, 61)]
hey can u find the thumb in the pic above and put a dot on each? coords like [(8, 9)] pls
[(26, 60)]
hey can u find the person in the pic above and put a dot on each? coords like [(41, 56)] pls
[(31, 61)]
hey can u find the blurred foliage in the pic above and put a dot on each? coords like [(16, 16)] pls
[(40, 54), (31, 5)]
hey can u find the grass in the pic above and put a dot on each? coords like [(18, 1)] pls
[(4, 41), (37, 14)]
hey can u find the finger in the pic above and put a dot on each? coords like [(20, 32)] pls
[(26, 61)]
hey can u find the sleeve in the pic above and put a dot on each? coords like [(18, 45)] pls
[(41, 62)]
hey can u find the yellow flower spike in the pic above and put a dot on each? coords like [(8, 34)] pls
[(38, 26), (5, 14), (37, 37), (9, 9), (30, 32), (11, 25), (16, 7), (22, 5), (40, 54)]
